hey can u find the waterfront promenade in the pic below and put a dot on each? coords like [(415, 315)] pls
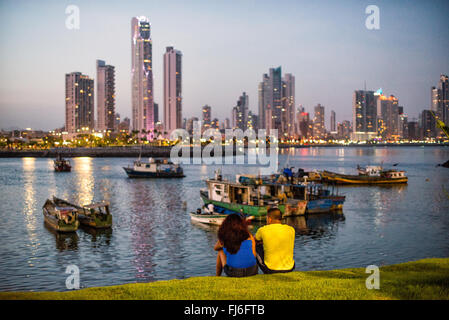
[(164, 151)]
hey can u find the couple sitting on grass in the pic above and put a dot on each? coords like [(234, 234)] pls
[(240, 254)]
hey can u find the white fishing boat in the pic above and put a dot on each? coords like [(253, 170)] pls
[(154, 168)]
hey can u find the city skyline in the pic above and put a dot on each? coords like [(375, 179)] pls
[(403, 56)]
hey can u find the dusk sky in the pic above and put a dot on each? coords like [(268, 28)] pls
[(226, 46)]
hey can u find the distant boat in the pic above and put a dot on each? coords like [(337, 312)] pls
[(62, 219), (366, 175), (154, 169), (95, 215), (61, 165)]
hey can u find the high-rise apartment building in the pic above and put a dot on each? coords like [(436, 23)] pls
[(319, 130), (79, 103), (440, 100), (105, 97), (387, 116), (364, 114), (240, 112), (207, 117), (288, 112), (172, 90), (270, 100), (142, 76), (333, 122)]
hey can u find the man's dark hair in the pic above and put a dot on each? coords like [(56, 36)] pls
[(275, 214)]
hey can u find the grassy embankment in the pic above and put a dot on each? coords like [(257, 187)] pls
[(423, 279)]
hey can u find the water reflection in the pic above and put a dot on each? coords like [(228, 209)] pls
[(85, 182), (317, 225), (98, 236), (64, 241), (143, 228), (29, 206)]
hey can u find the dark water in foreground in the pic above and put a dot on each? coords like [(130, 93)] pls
[(153, 238)]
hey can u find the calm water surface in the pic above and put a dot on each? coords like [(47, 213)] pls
[(153, 238)]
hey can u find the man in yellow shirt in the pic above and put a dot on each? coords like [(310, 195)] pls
[(276, 244)]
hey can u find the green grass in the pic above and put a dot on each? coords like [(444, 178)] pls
[(423, 279)]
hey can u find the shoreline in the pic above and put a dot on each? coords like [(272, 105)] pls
[(164, 151), (416, 280)]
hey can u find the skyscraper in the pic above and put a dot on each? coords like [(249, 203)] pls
[(206, 117), (319, 130), (440, 100), (270, 99), (288, 107), (240, 112), (79, 103), (142, 76), (387, 116), (364, 114), (172, 90), (105, 97), (333, 122)]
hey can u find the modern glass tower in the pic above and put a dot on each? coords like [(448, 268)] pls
[(364, 114), (105, 97), (142, 77), (172, 90)]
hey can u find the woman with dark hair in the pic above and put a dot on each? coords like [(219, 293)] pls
[(236, 248)]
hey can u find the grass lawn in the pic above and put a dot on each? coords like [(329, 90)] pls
[(423, 279)]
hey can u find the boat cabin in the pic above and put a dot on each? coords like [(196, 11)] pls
[(97, 208)]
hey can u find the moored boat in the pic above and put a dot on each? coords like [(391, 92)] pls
[(62, 219), (314, 197), (368, 175), (154, 169), (62, 165), (214, 215), (95, 215), (250, 199)]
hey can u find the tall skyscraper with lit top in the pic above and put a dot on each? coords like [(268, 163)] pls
[(172, 90), (142, 76)]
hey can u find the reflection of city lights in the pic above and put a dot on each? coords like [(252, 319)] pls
[(85, 179), (30, 204)]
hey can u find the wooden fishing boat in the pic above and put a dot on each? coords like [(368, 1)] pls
[(314, 197), (62, 219), (95, 215), (154, 169), (61, 165), (368, 175), (248, 199)]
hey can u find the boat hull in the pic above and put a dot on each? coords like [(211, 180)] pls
[(331, 177), (140, 174), (58, 224), (319, 206), (296, 208), (95, 222), (214, 219)]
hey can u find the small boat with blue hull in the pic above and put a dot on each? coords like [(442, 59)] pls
[(154, 169)]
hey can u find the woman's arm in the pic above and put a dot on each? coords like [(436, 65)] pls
[(218, 246), (253, 243)]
